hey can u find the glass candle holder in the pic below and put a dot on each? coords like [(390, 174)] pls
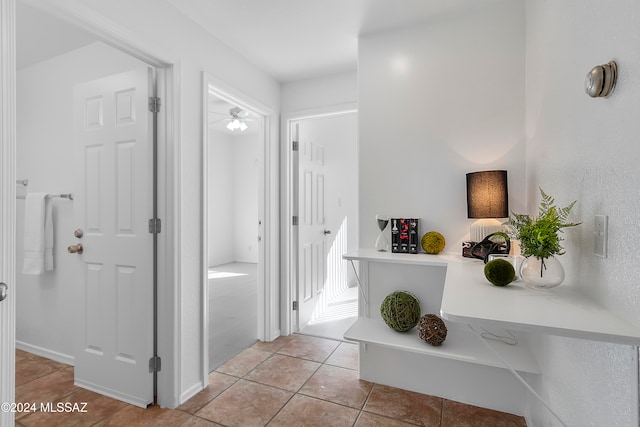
[(515, 260)]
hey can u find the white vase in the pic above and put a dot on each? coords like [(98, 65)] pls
[(543, 273)]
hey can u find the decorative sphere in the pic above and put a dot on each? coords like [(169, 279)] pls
[(400, 310), (499, 272), (432, 329), (433, 242)]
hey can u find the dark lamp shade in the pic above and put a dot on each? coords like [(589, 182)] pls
[(487, 194)]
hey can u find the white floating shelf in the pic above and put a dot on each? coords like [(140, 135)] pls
[(461, 344), (562, 311), (469, 298), (440, 260)]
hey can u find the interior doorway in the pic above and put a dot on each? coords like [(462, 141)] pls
[(324, 199), (239, 244), (234, 141), (47, 73)]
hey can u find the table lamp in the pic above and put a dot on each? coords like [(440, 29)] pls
[(487, 199)]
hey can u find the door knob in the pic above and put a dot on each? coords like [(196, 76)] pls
[(3, 291), (327, 232), (75, 249)]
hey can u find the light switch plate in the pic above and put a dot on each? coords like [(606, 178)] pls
[(600, 234)]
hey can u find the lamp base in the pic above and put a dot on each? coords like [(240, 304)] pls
[(483, 227)]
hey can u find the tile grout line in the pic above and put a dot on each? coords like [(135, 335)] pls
[(56, 369), (297, 392)]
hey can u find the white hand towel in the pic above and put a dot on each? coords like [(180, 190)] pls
[(48, 234), (34, 233)]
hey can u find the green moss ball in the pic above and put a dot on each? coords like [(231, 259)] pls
[(433, 242), (499, 272), (400, 310)]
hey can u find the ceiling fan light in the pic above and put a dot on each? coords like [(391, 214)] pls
[(233, 124), (236, 124)]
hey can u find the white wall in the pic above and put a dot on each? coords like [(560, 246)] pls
[(437, 101), (46, 304), (317, 93), (158, 28), (586, 149), (221, 200), (245, 205), (233, 197)]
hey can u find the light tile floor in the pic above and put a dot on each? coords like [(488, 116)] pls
[(293, 381)]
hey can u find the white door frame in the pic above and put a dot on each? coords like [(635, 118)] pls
[(168, 89), (7, 206), (268, 218), (289, 248)]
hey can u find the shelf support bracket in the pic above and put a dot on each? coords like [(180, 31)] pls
[(517, 375), (355, 270)]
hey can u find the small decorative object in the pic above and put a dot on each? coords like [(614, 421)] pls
[(432, 329), (540, 242), (433, 242), (414, 235), (404, 235), (382, 244), (400, 310), (494, 243), (499, 272)]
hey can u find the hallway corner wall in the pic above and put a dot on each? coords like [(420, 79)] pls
[(585, 149)]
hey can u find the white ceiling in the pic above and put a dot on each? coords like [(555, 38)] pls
[(40, 36), (288, 39), (298, 39)]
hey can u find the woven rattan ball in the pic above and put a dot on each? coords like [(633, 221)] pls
[(400, 310), (432, 329)]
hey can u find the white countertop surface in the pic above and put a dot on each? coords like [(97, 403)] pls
[(469, 298)]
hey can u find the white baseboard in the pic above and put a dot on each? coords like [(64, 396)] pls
[(46, 353), (111, 393), (190, 392)]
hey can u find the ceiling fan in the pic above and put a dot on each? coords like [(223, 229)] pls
[(236, 119)]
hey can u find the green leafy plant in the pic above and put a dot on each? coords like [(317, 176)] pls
[(539, 236)]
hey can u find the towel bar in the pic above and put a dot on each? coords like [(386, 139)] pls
[(52, 196)]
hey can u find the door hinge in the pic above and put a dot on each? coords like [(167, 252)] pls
[(154, 364), (294, 145), (295, 305), (154, 104), (294, 220), (155, 225)]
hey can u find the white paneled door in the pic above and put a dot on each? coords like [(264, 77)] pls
[(113, 205), (312, 224)]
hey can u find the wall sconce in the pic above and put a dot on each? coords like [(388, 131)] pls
[(601, 80), (487, 199)]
